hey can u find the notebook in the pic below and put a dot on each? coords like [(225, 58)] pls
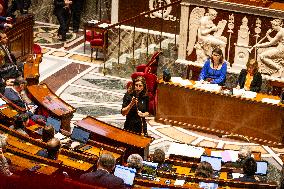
[(125, 173), (261, 167), (80, 135), (214, 161)]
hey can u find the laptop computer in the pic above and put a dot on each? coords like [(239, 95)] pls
[(208, 185), (56, 123), (149, 169), (125, 173), (214, 161), (262, 167), (80, 135)]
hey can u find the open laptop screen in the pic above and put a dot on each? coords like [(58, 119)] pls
[(261, 167), (214, 161), (208, 185), (56, 123), (80, 135), (125, 173)]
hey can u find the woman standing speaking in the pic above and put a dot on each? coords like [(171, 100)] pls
[(135, 106)]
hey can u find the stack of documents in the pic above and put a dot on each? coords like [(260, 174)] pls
[(243, 93), (179, 80), (208, 87), (185, 150), (269, 100)]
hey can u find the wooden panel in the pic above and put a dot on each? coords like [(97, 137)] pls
[(31, 69), (220, 114), (21, 36), (108, 134), (54, 104)]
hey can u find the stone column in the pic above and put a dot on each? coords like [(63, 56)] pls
[(114, 11), (183, 30)]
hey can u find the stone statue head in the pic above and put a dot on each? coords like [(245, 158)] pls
[(276, 22), (212, 13)]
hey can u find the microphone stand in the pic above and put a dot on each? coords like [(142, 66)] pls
[(142, 123)]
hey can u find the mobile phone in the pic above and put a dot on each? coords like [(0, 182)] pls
[(167, 181)]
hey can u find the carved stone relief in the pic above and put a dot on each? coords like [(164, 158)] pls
[(209, 35), (241, 48)]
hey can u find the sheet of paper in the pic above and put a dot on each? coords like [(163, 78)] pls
[(2, 102), (59, 136), (269, 100), (179, 182), (249, 94), (208, 87), (238, 92), (185, 150)]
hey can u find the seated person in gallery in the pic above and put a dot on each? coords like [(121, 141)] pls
[(204, 170), (4, 167), (249, 169), (135, 161), (214, 69), (250, 79), (52, 151), (21, 5), (9, 68), (20, 124), (103, 175)]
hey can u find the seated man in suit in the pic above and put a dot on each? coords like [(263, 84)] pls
[(249, 169), (13, 93), (102, 176), (20, 124), (52, 151)]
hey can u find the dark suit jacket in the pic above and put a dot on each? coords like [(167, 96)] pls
[(14, 97), (103, 179), (246, 178), (256, 82)]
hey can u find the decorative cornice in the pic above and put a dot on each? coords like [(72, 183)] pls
[(248, 9)]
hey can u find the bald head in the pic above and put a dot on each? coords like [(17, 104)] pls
[(53, 146)]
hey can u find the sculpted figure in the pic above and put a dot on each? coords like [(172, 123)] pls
[(209, 35), (272, 58)]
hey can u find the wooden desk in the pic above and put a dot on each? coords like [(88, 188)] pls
[(220, 114), (54, 104), (22, 160), (31, 69), (108, 134), (21, 36)]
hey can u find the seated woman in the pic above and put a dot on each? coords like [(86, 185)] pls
[(214, 69), (250, 79)]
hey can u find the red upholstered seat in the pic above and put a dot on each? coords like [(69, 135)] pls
[(37, 49), (151, 66), (97, 42), (151, 82)]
